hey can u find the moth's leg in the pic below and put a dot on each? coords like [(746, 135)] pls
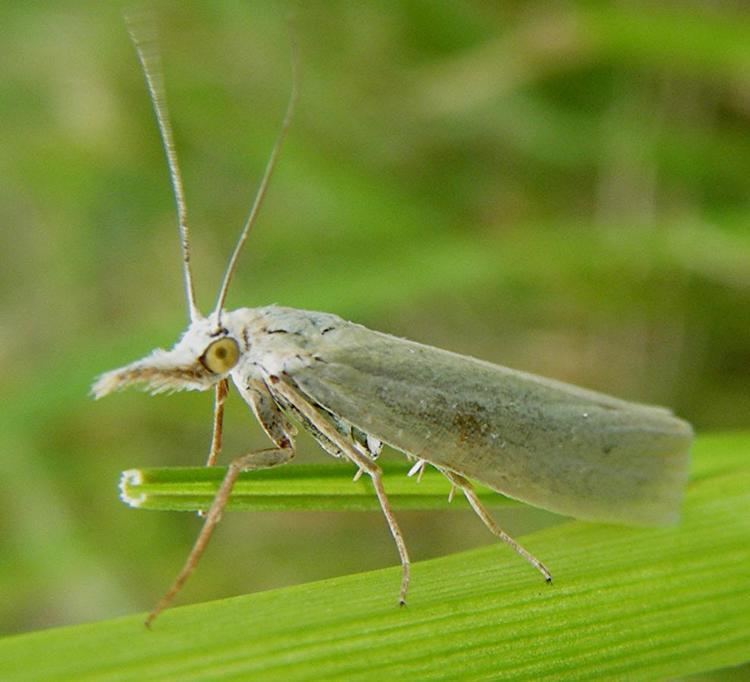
[(220, 395), (468, 491), (365, 464), (376, 475), (266, 411), (262, 459), (325, 429)]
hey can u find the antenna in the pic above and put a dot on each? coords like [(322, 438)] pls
[(270, 165), (141, 28)]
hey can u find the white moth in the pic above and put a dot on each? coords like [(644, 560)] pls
[(553, 445)]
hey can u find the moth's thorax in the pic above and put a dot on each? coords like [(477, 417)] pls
[(277, 340)]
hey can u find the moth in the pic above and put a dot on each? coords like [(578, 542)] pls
[(553, 445)]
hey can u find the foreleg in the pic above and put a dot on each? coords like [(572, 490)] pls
[(261, 459)]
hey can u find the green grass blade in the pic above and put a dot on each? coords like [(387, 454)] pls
[(321, 487), (626, 604)]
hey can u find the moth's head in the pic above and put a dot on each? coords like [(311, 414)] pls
[(203, 356)]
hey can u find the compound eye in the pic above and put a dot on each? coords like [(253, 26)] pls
[(221, 355)]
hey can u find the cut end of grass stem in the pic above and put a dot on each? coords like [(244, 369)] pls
[(130, 494)]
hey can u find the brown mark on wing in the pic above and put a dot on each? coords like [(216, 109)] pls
[(469, 427)]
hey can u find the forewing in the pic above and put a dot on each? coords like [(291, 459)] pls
[(553, 445)]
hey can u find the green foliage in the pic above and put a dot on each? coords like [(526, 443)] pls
[(626, 603)]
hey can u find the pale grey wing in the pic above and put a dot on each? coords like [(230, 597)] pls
[(553, 445)]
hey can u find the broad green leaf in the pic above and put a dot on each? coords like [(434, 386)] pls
[(626, 604)]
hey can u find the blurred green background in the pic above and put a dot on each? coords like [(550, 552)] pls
[(558, 187)]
